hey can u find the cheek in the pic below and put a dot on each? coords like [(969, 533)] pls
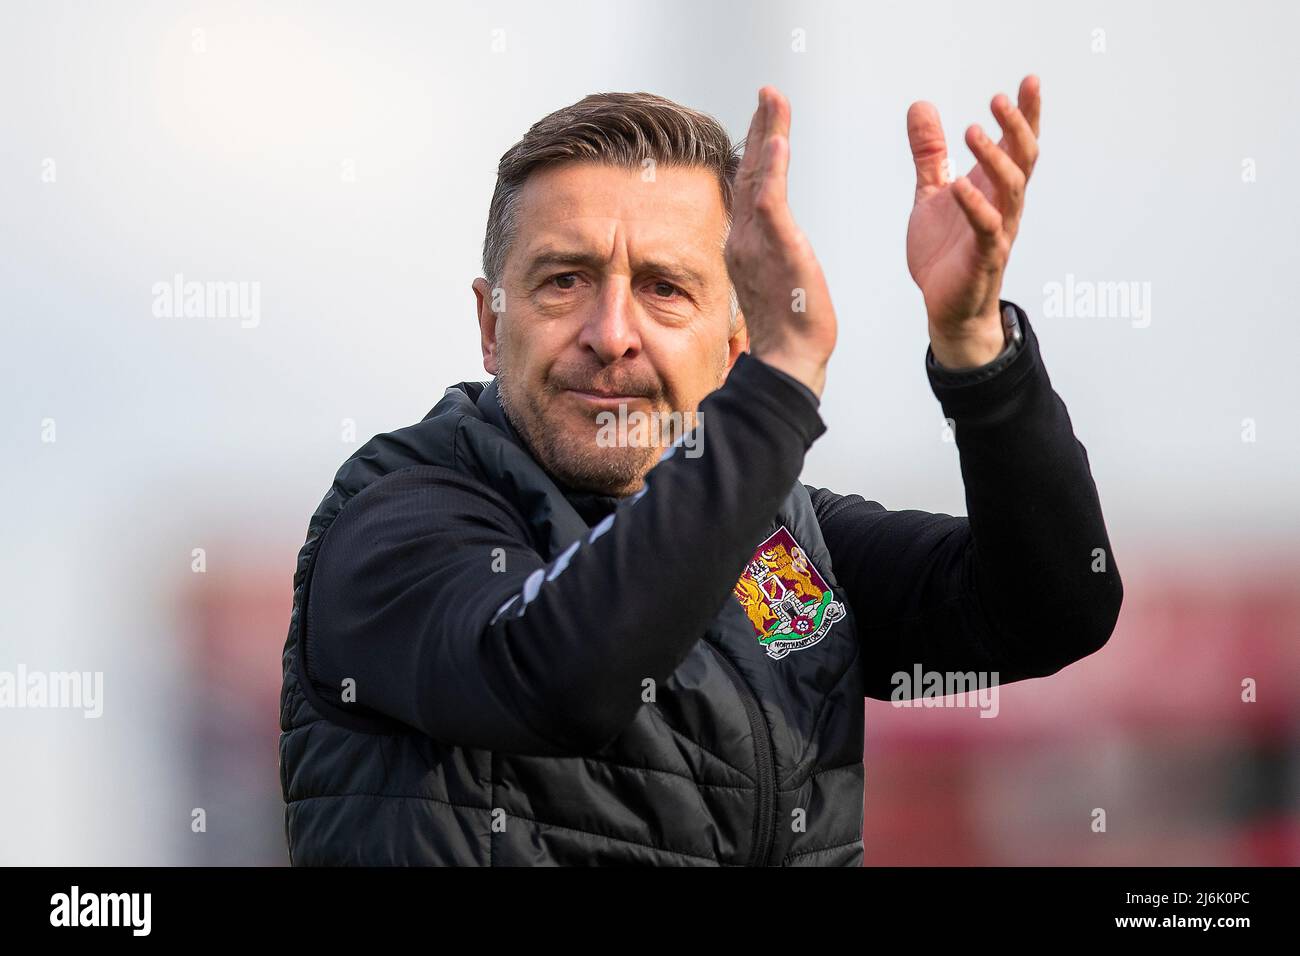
[(691, 367), (528, 353)]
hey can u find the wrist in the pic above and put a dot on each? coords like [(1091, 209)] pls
[(807, 371), (970, 344)]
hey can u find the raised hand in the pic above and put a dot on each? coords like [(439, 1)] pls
[(960, 233), (779, 283)]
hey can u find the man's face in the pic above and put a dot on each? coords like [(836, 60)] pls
[(616, 301)]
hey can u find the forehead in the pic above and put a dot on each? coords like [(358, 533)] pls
[(678, 212)]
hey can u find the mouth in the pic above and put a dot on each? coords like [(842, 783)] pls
[(605, 399)]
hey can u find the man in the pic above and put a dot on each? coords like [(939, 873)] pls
[(522, 635)]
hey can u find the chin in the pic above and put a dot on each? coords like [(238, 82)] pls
[(606, 471)]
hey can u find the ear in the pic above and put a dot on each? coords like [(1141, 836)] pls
[(487, 324), (739, 341)]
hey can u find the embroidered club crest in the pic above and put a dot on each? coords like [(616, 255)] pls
[(785, 598)]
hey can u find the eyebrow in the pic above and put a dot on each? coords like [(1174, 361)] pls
[(549, 258)]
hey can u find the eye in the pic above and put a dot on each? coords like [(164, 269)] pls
[(664, 289), (565, 280)]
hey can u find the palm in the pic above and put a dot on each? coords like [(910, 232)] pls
[(942, 253)]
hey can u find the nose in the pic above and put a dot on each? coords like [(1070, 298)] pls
[(610, 329)]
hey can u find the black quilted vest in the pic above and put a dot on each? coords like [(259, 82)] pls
[(749, 755)]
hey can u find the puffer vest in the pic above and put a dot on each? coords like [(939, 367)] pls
[(750, 753)]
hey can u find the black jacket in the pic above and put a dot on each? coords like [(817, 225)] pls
[(501, 671)]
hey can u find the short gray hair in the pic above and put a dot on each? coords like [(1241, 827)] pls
[(616, 129)]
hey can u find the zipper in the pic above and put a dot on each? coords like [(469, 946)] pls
[(765, 825)]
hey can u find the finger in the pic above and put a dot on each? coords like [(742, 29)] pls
[(771, 199), (929, 150), (778, 112), (1004, 175), (1017, 138), (750, 161), (775, 159), (1030, 100), (770, 191), (980, 213)]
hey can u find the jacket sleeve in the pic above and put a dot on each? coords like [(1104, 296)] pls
[(428, 595), (1023, 586)]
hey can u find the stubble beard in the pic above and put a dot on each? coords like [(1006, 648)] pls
[(567, 451)]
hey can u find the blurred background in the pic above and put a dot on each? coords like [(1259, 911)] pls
[(336, 159)]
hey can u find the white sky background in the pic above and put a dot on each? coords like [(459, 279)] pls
[(226, 164)]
